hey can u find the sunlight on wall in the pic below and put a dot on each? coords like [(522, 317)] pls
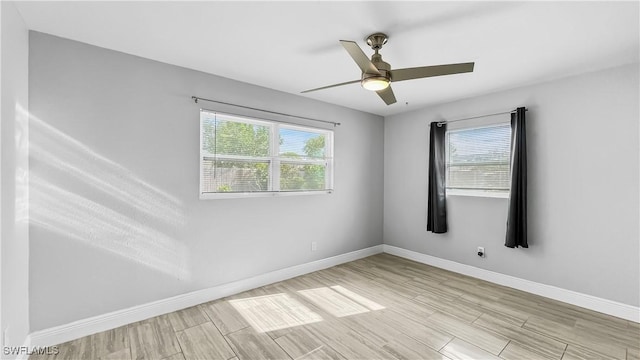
[(21, 133), (71, 215), (67, 154), (120, 213), (274, 312)]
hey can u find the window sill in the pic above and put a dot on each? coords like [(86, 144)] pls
[(241, 195), (478, 193)]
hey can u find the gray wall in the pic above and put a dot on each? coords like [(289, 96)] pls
[(116, 220), (583, 187), (115, 215), (14, 132)]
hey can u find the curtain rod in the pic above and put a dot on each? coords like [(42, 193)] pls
[(476, 117), (195, 98)]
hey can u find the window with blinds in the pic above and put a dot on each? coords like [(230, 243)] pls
[(478, 159), (243, 156)]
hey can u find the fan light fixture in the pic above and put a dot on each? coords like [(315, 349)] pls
[(375, 83), (376, 74)]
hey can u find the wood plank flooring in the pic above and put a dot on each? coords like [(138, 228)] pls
[(380, 307)]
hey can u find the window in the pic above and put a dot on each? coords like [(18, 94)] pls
[(478, 160), (243, 156)]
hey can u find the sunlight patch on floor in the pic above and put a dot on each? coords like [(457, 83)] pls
[(339, 302), (274, 312), (372, 305)]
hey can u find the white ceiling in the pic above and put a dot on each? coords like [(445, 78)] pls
[(293, 46)]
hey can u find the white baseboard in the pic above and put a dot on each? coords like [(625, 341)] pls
[(605, 306), (84, 327)]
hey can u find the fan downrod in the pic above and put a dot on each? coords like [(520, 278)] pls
[(377, 40)]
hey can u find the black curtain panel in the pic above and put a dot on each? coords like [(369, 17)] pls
[(437, 201), (517, 214)]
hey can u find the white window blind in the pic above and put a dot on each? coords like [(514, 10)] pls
[(478, 159), (248, 156)]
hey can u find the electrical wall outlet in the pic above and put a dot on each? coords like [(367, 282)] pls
[(481, 251), (314, 246)]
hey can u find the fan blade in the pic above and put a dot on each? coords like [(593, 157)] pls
[(429, 71), (387, 95), (359, 57), (330, 86)]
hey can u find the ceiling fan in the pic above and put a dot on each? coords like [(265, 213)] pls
[(377, 74)]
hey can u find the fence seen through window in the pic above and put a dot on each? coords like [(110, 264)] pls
[(251, 156), (478, 159)]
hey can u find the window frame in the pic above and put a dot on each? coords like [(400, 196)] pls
[(274, 159), (477, 192)]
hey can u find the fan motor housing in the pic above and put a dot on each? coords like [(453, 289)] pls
[(380, 64), (383, 67)]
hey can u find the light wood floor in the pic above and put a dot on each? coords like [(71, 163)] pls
[(381, 307)]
